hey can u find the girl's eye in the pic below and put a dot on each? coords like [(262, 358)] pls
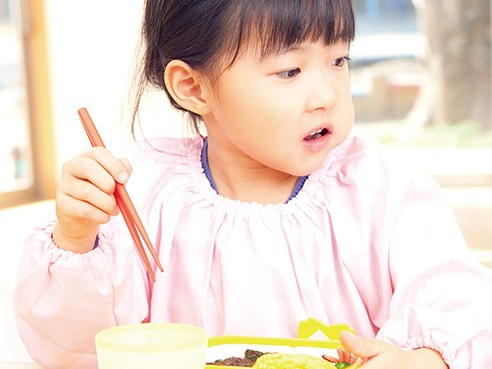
[(288, 74), (340, 62)]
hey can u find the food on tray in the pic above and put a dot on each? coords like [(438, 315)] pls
[(292, 361), (249, 359), (261, 360)]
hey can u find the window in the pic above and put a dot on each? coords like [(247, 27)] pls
[(26, 154)]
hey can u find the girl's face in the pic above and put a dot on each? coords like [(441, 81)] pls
[(284, 112)]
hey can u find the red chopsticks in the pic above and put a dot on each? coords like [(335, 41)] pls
[(124, 202)]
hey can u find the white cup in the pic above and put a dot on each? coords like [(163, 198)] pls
[(152, 346)]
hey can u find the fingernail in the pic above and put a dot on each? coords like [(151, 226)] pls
[(122, 177)]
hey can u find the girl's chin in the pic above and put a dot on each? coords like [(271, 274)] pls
[(308, 166)]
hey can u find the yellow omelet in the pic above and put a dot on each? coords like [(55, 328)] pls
[(292, 361)]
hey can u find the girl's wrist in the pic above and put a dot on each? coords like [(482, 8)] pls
[(79, 245)]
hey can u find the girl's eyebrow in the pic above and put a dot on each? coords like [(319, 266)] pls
[(279, 52), (342, 46)]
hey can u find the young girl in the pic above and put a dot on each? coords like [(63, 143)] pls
[(278, 214)]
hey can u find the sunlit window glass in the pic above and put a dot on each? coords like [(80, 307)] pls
[(15, 154)]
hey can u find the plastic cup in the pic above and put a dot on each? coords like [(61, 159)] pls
[(152, 346)]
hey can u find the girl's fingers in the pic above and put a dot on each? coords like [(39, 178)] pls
[(119, 170), (127, 165), (86, 186), (347, 357), (98, 167), (341, 354), (71, 208), (87, 192), (80, 173), (87, 178)]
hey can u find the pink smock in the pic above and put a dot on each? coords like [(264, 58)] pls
[(365, 242)]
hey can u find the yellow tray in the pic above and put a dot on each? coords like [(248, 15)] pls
[(221, 347)]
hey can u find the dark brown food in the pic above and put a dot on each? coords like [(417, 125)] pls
[(234, 361), (253, 355), (249, 359)]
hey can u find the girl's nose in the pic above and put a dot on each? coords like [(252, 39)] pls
[(322, 95)]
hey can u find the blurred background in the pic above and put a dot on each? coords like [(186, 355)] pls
[(421, 83)]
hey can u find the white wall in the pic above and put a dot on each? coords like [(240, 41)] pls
[(92, 47)]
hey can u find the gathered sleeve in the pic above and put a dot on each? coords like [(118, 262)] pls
[(63, 299), (442, 299)]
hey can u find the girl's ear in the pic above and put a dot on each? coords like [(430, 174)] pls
[(187, 87)]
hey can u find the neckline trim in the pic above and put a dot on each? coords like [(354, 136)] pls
[(208, 174)]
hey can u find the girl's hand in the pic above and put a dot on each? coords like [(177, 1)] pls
[(84, 197), (377, 354)]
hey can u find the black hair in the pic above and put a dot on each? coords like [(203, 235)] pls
[(209, 34)]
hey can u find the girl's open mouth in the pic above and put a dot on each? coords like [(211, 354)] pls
[(317, 139), (317, 134)]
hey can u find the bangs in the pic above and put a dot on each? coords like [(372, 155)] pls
[(276, 25)]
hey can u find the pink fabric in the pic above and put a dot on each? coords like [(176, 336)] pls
[(364, 243)]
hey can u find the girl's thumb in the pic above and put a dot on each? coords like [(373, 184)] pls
[(362, 347)]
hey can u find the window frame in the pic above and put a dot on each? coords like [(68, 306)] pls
[(39, 116)]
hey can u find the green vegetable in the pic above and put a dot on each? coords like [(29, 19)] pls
[(341, 365)]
